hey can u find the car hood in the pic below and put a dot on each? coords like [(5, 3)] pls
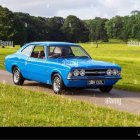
[(87, 63)]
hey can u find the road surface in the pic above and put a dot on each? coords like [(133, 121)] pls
[(118, 99)]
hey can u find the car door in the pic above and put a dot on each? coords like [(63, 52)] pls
[(36, 64)]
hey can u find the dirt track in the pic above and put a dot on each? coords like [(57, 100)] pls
[(117, 99)]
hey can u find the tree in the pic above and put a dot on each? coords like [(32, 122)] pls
[(54, 24), (75, 30), (36, 29), (19, 31), (6, 24), (125, 33), (135, 12), (22, 28), (97, 29), (115, 27)]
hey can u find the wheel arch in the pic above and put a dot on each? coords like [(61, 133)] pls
[(56, 72), (53, 73), (12, 68)]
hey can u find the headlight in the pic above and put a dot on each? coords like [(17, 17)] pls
[(109, 72), (115, 72), (76, 73), (82, 72)]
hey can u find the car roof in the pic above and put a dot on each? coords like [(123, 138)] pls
[(53, 43)]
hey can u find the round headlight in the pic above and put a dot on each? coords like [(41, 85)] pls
[(76, 73), (109, 72), (82, 72), (115, 72)]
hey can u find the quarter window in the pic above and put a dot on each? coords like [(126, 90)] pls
[(38, 52), (27, 50)]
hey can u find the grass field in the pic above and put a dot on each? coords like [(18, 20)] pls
[(4, 52), (20, 107), (127, 57)]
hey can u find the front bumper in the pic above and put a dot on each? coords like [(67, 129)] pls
[(83, 81)]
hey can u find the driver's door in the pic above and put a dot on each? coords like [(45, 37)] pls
[(36, 64)]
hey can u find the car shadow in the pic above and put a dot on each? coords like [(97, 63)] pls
[(39, 85), (115, 93), (89, 93)]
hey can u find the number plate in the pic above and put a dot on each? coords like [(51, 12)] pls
[(96, 82)]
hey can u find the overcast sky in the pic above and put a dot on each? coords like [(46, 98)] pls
[(84, 9)]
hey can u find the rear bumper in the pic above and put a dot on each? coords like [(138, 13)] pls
[(84, 82)]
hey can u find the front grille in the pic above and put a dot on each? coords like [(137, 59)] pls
[(96, 72)]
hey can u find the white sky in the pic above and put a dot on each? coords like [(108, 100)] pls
[(84, 9)]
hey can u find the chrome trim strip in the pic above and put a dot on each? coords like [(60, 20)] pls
[(93, 78), (100, 72)]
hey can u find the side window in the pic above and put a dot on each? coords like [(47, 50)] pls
[(38, 52), (27, 50), (50, 51)]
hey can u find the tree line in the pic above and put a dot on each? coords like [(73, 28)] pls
[(22, 28)]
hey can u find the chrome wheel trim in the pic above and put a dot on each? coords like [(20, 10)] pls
[(16, 76), (57, 84)]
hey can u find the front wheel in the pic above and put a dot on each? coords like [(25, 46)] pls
[(57, 84), (106, 89), (17, 77)]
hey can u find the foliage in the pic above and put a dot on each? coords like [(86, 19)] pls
[(124, 27), (22, 28), (75, 30), (6, 24), (97, 29)]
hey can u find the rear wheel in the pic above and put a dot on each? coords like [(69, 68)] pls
[(57, 84), (17, 77), (106, 89)]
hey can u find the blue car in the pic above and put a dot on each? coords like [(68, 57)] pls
[(62, 65)]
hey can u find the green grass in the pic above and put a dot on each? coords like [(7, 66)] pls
[(20, 107), (6, 51), (127, 57)]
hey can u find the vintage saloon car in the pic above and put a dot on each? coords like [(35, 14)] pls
[(61, 65)]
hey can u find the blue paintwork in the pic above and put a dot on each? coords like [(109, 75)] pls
[(41, 70)]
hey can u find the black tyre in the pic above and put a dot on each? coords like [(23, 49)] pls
[(57, 84), (17, 77), (106, 89)]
